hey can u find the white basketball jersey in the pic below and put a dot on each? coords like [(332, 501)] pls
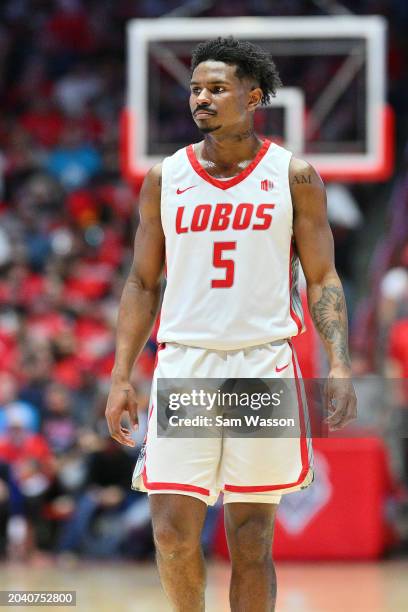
[(231, 267)]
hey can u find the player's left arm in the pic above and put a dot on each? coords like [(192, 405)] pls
[(314, 244)]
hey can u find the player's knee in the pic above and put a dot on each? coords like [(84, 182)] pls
[(251, 542), (172, 541)]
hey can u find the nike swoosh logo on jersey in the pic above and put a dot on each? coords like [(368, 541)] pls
[(282, 368), (180, 191)]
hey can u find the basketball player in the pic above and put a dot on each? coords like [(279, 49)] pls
[(228, 217)]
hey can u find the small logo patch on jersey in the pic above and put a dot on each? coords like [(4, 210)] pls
[(266, 185), (180, 191), (278, 369)]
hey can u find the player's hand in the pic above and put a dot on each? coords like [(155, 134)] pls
[(122, 398), (340, 399)]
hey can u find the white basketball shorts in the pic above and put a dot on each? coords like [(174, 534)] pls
[(258, 470)]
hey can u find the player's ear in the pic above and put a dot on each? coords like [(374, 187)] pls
[(255, 98)]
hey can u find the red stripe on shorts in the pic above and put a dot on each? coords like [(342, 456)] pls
[(303, 448), (172, 486)]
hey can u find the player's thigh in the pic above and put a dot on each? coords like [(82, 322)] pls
[(177, 520), (249, 528)]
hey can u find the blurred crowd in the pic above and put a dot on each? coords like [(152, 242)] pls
[(67, 223)]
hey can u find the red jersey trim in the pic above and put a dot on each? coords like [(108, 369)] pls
[(303, 448), (235, 179)]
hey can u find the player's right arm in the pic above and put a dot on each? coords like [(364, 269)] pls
[(138, 306)]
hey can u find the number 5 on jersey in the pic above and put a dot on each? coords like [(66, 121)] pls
[(221, 262)]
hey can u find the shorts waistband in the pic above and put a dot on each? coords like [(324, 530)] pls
[(229, 350)]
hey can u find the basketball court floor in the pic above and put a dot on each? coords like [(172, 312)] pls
[(312, 587)]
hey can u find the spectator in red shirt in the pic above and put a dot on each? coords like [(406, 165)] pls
[(398, 347), (43, 122)]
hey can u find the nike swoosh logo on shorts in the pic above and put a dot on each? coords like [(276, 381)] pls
[(180, 191), (280, 369)]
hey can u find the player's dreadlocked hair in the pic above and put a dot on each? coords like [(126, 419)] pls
[(250, 60)]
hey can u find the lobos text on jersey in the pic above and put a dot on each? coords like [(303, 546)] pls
[(231, 267)]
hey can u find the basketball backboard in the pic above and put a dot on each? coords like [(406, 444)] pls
[(331, 110)]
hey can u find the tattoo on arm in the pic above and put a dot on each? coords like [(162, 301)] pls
[(300, 179), (330, 317), (159, 181)]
